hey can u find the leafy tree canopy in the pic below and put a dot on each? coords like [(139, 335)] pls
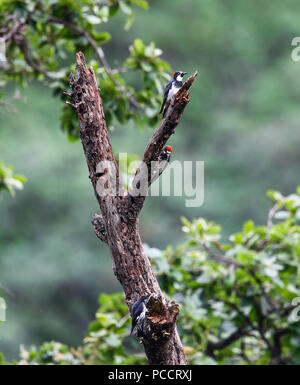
[(42, 36), (238, 299)]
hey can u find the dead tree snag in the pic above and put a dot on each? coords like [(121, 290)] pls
[(117, 225)]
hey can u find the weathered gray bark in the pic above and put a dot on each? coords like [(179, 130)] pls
[(118, 223)]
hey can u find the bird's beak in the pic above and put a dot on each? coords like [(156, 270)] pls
[(184, 73)]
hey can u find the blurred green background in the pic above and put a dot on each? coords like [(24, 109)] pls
[(243, 121)]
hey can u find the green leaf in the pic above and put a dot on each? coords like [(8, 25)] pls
[(129, 22), (92, 19), (113, 340), (104, 13), (72, 138), (101, 37), (139, 47), (248, 226), (140, 3), (146, 66), (125, 7), (185, 222), (275, 195)]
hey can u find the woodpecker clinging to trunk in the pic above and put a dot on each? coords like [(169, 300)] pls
[(138, 312), (171, 90), (165, 155), (163, 161), (157, 167)]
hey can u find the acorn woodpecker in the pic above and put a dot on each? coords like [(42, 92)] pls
[(171, 90), (166, 154), (138, 312), (163, 161)]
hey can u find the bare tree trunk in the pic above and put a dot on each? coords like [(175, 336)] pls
[(118, 223)]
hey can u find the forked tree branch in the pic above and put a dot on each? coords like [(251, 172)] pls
[(156, 143), (118, 223)]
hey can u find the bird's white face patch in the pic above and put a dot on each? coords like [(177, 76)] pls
[(179, 78)]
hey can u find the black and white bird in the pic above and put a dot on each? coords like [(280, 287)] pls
[(171, 90), (166, 154), (138, 312), (162, 164)]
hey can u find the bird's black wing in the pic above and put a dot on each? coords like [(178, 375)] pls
[(162, 165), (159, 170), (136, 310), (167, 89), (134, 321)]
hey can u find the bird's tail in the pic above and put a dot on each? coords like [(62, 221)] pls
[(132, 327), (162, 107)]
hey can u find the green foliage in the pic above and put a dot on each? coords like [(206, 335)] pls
[(49, 353), (55, 30), (102, 345), (146, 60), (9, 181), (236, 299), (2, 360), (104, 342), (240, 292)]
